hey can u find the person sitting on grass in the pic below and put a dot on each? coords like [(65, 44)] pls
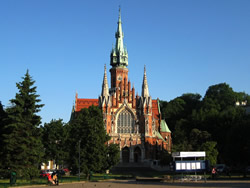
[(55, 179), (50, 180)]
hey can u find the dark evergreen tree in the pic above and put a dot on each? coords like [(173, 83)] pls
[(3, 116), (54, 141), (23, 148)]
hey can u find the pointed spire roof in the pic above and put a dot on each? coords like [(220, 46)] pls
[(119, 54), (145, 92), (105, 87), (119, 34)]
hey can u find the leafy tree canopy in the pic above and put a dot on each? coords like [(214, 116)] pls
[(54, 141), (221, 94), (214, 123), (211, 151), (87, 133)]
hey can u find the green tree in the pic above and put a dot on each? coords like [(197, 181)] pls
[(87, 133), (173, 112), (192, 102), (3, 116), (54, 141), (180, 137), (165, 158), (23, 148), (197, 138), (238, 143), (211, 151), (113, 156), (214, 124), (178, 113), (242, 97), (222, 95)]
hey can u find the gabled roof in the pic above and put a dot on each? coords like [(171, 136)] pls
[(85, 103), (164, 127)]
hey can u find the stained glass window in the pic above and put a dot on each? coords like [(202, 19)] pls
[(125, 122)]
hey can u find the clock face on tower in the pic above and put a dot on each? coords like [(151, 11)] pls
[(119, 77)]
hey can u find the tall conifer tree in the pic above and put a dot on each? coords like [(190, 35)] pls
[(22, 138), (2, 118)]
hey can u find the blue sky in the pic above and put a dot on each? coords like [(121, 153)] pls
[(186, 45)]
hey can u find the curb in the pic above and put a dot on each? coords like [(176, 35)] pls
[(30, 186)]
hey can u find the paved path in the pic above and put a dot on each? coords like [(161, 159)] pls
[(134, 184)]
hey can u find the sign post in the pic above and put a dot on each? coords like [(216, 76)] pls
[(195, 166)]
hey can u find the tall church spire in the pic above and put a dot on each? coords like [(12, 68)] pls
[(119, 54), (145, 92), (105, 87), (119, 34)]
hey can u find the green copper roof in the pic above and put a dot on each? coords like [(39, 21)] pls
[(119, 35), (164, 127), (119, 53), (159, 136)]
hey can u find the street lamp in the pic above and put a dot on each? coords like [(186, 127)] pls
[(79, 159)]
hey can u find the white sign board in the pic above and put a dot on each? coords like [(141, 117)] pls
[(190, 165), (183, 154)]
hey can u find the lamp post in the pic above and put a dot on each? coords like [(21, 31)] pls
[(79, 160)]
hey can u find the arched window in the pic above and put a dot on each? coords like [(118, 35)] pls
[(125, 122)]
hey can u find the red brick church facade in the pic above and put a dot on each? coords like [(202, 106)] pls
[(132, 121)]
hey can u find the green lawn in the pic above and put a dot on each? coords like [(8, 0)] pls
[(4, 183), (64, 179), (19, 182)]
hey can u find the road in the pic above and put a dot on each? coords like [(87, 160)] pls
[(135, 184)]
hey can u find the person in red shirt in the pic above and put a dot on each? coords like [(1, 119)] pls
[(50, 179), (214, 173)]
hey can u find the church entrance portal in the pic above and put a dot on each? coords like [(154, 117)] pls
[(137, 155), (125, 155)]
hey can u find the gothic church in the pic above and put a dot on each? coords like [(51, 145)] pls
[(133, 122)]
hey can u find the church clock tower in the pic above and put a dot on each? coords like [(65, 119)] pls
[(132, 121), (118, 59)]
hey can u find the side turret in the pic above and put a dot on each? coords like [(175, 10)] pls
[(145, 102), (104, 99)]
